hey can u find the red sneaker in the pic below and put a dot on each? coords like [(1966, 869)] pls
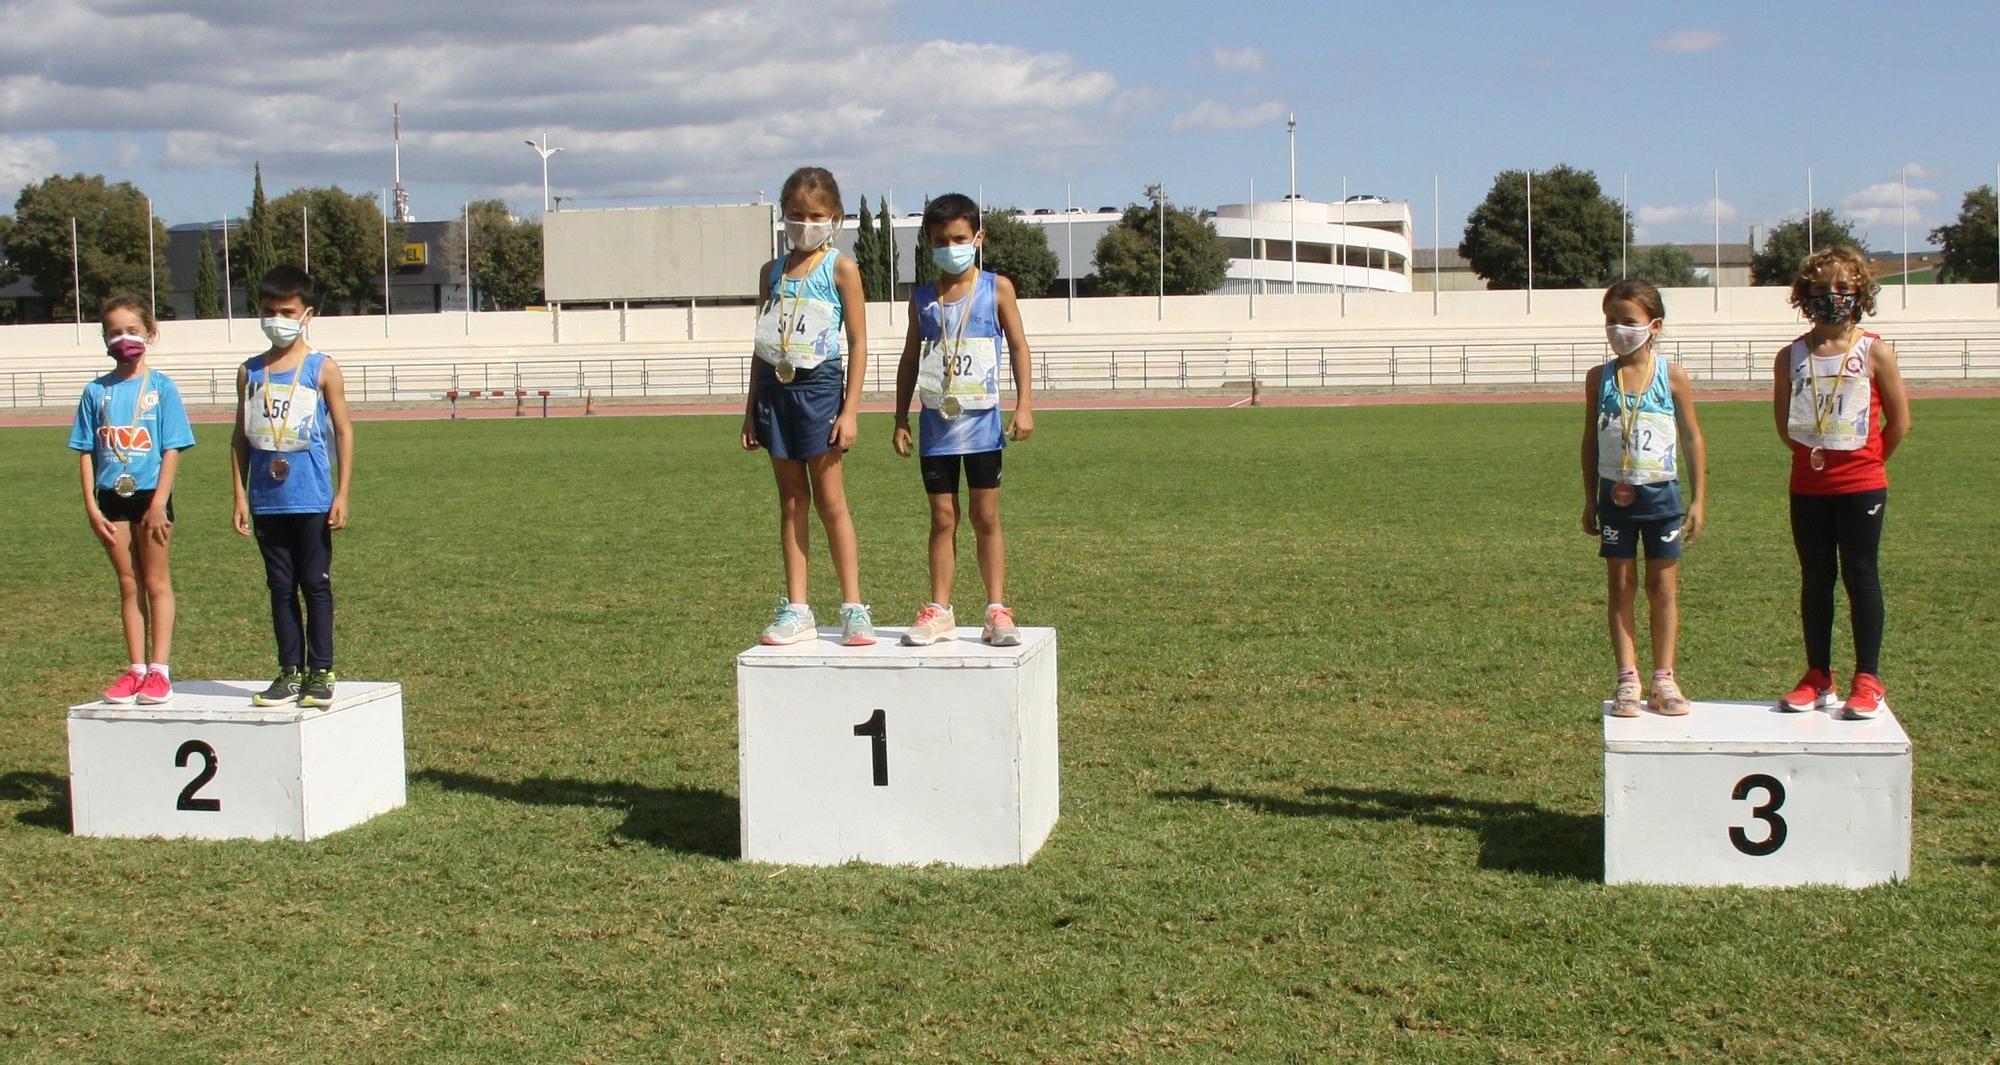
[(155, 690), (1814, 692), (125, 690), (1865, 698)]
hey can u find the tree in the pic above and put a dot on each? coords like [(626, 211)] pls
[(1784, 251), (1969, 252), (1665, 265), (207, 283), (1020, 251), (1127, 257), (506, 256), (346, 246), (9, 273), (924, 271), (871, 256), (111, 223), (257, 250), (1576, 231)]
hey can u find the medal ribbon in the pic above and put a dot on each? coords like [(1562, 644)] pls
[(281, 428), (138, 408), (787, 321), (958, 342), (1628, 417), (1823, 406)]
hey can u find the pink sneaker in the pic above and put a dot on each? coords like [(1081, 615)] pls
[(125, 690), (155, 690)]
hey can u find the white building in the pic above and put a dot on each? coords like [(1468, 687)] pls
[(1362, 245)]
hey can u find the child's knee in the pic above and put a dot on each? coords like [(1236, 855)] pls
[(159, 586), (986, 521)]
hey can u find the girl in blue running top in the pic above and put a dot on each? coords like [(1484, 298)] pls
[(130, 430), (805, 396), (1638, 421)]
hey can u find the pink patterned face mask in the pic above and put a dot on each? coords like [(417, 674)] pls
[(127, 348)]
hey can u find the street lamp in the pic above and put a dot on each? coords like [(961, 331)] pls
[(544, 151)]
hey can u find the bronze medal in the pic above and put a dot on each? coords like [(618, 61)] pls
[(949, 408), (1623, 494), (786, 371), (125, 487), (280, 469), (1817, 458)]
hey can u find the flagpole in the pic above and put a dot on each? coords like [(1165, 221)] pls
[(1531, 241)]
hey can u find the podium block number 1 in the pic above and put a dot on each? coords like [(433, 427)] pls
[(876, 728), (189, 750), (1774, 794)]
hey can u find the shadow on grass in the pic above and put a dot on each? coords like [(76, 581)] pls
[(689, 820), (46, 788), (1517, 837)]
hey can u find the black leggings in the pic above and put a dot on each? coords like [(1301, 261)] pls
[(1839, 536)]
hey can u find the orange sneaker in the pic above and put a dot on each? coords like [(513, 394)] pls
[(1814, 692), (1865, 698)]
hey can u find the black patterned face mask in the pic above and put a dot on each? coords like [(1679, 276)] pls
[(1832, 308)]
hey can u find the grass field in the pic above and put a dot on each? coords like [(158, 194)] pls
[(1331, 764)]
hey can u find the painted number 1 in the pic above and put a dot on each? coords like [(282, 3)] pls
[(876, 728), (1774, 793), (197, 749)]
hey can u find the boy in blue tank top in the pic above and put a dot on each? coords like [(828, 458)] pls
[(290, 403), (951, 362), (1638, 414)]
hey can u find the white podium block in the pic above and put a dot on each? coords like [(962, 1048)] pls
[(898, 755), (211, 766), (1741, 793)]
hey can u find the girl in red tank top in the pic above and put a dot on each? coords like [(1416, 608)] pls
[(1838, 402)]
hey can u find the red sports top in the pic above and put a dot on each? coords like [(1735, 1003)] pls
[(1846, 471)]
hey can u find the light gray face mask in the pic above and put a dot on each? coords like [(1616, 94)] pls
[(809, 236), (282, 332), (1626, 339)]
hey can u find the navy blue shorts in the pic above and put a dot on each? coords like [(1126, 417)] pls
[(794, 420), (1619, 537)]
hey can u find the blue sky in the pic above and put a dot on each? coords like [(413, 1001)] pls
[(664, 101)]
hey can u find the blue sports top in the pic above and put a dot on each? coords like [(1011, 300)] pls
[(105, 426), (1638, 443), (977, 429), (809, 309), (268, 402)]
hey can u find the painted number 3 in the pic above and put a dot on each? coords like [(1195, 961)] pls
[(876, 728), (197, 749), (1774, 793)]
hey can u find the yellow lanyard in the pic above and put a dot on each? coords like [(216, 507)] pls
[(280, 427), (1628, 412), (958, 342), (787, 322), (1823, 406), (138, 409)]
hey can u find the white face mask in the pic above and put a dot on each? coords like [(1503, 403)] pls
[(282, 331), (809, 236), (1626, 339)]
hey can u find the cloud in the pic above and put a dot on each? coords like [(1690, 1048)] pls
[(1919, 172), (650, 98), (1683, 218), (1245, 60), (1881, 204), (1214, 115), (1689, 41), (24, 161)]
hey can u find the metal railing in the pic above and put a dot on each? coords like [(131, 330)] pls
[(1375, 366)]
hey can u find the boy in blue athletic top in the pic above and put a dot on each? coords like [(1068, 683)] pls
[(951, 361), (289, 401)]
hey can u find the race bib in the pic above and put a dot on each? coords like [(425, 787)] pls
[(968, 370), (801, 330), (280, 417), (1842, 400), (1654, 452)]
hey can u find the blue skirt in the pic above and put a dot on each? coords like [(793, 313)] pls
[(794, 420)]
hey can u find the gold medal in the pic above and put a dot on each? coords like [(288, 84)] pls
[(125, 486), (280, 469), (949, 408), (1623, 494), (1816, 458), (786, 371)]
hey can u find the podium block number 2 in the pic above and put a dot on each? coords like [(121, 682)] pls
[(1774, 797), (876, 728), (190, 750)]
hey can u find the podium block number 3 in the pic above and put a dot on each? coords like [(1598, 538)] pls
[(197, 749), (876, 728), (1774, 797)]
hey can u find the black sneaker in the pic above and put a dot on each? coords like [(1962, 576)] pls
[(319, 688), (284, 691)]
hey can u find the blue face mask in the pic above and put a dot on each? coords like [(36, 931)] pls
[(954, 258)]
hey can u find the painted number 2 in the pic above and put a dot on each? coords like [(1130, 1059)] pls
[(876, 728), (193, 749), (1774, 793)]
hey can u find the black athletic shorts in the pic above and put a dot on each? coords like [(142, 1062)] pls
[(118, 508), (982, 470)]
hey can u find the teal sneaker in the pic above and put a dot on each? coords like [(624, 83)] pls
[(857, 629), (793, 624), (318, 690)]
